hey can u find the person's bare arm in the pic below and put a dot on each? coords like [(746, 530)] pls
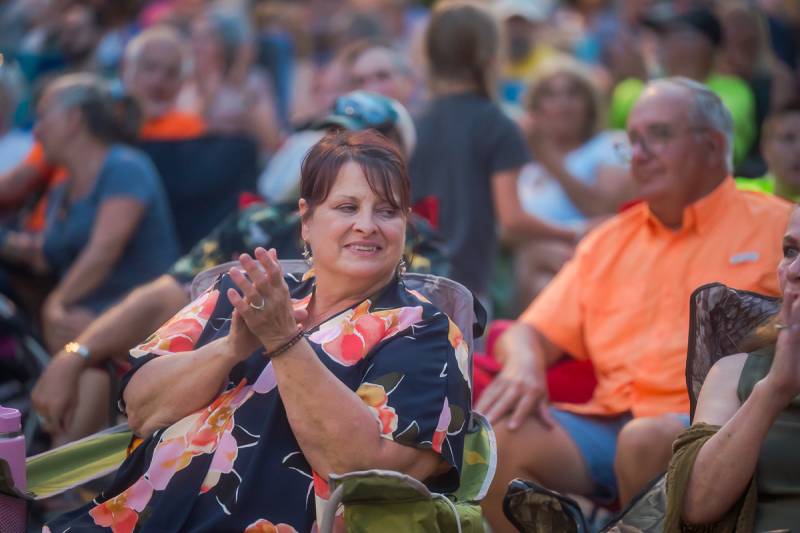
[(727, 461), (521, 387), (17, 183), (725, 464), (110, 335), (170, 387), (514, 221)]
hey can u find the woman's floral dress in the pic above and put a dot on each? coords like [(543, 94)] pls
[(236, 465)]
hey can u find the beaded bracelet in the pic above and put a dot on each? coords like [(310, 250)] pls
[(291, 342)]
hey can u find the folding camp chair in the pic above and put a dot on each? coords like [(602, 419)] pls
[(209, 171), (720, 318)]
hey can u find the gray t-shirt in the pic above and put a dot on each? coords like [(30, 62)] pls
[(153, 247), (463, 140)]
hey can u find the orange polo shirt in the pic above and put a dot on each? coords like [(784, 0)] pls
[(623, 300), (174, 125)]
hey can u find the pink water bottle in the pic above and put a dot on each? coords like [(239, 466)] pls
[(12, 445)]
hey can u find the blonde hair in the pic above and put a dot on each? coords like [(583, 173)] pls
[(561, 66)]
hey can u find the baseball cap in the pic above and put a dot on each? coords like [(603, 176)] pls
[(361, 110)]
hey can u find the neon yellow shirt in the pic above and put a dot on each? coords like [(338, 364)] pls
[(733, 92)]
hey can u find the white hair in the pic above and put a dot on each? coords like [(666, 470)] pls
[(708, 110), (161, 33)]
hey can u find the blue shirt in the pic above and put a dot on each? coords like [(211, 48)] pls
[(153, 246)]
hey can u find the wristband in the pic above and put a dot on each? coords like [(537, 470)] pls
[(291, 342)]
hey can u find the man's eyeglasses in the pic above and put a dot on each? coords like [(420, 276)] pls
[(652, 140)]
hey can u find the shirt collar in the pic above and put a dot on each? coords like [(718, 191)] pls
[(703, 214)]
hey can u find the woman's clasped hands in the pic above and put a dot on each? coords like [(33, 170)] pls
[(263, 315)]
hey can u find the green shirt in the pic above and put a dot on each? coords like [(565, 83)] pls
[(733, 92), (765, 184)]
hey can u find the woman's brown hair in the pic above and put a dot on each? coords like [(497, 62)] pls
[(381, 161), (109, 118)]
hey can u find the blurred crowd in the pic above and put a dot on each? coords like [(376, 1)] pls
[(142, 141)]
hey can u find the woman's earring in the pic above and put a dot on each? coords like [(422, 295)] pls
[(401, 268), (309, 259)]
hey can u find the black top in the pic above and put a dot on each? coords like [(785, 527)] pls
[(463, 140)]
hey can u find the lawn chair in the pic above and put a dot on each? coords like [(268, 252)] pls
[(209, 171), (720, 318), (77, 463)]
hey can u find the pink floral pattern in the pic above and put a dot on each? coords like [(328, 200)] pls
[(349, 337), (377, 400), (441, 428), (262, 525), (121, 513), (182, 331), (458, 343)]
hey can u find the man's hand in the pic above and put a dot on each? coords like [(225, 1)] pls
[(519, 391), (56, 391)]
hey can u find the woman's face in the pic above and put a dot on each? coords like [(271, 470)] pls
[(789, 267), (354, 234), (55, 125), (563, 106)]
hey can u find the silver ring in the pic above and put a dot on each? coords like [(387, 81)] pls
[(260, 306), (779, 327)]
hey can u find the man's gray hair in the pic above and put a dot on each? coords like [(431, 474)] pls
[(154, 34), (708, 110)]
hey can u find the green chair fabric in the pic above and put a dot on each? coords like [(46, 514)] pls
[(381, 500), (69, 466)]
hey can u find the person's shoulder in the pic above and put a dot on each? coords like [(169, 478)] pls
[(765, 207), (724, 374), (422, 306), (129, 158)]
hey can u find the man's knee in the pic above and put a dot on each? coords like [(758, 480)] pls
[(643, 436)]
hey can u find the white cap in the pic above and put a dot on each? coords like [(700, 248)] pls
[(530, 10)]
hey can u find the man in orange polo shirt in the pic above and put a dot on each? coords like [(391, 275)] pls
[(623, 303), (153, 74)]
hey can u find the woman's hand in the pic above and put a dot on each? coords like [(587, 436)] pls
[(266, 308), (784, 375)]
